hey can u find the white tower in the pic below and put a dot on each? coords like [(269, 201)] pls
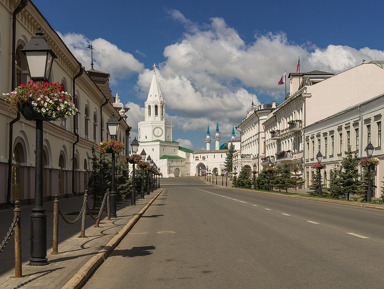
[(208, 140), (217, 138), (154, 127)]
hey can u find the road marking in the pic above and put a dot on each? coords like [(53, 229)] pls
[(285, 214), (357, 235), (225, 197), (267, 209), (138, 233), (166, 232), (313, 222), (255, 205)]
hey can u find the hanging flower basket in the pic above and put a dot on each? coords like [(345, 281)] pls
[(317, 166), (134, 159), (110, 146), (366, 162), (41, 100)]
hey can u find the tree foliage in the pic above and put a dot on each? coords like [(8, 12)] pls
[(229, 159)]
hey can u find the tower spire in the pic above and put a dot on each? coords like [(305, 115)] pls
[(208, 140), (217, 138)]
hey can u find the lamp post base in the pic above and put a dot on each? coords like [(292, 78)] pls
[(38, 237)]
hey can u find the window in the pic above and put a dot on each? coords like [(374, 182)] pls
[(149, 110), (318, 145), (368, 133), (94, 126), (348, 138), (325, 146), (379, 133), (86, 121), (313, 149), (332, 145), (340, 142), (357, 138), (156, 110)]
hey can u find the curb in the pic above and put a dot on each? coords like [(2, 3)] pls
[(91, 266)]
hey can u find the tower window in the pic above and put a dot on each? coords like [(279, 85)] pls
[(156, 110), (149, 110)]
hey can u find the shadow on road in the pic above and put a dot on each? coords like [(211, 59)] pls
[(135, 251)]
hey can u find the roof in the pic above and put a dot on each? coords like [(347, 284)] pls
[(167, 157), (210, 152), (154, 93), (185, 150), (313, 72)]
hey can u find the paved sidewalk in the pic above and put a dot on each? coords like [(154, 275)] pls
[(74, 252)]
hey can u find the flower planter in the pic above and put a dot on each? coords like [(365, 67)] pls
[(26, 109)]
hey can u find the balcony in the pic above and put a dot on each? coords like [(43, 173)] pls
[(295, 125), (275, 135), (284, 156)]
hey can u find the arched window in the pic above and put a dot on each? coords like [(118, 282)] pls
[(94, 126), (86, 121), (20, 65), (63, 120), (156, 110), (149, 110), (76, 118)]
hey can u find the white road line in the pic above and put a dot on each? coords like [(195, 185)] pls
[(166, 232), (285, 214), (357, 235), (232, 199), (255, 205), (267, 209), (313, 222)]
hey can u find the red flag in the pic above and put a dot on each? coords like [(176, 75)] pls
[(298, 66)]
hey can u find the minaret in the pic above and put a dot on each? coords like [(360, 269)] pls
[(217, 138), (208, 140), (233, 134)]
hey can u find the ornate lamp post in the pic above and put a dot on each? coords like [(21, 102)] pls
[(369, 150), (113, 128), (158, 186), (254, 176), (134, 148), (234, 178), (270, 165), (142, 154), (216, 177), (222, 178), (319, 158), (149, 160), (40, 59)]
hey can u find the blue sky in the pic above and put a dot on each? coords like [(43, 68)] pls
[(214, 57)]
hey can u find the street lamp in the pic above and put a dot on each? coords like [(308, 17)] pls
[(142, 154), (319, 158), (149, 160), (134, 148), (270, 165), (113, 128), (369, 150), (39, 59), (254, 176), (234, 178)]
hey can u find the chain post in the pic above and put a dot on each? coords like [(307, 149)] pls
[(17, 236), (82, 232), (55, 243)]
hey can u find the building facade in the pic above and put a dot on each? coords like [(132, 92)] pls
[(67, 142)]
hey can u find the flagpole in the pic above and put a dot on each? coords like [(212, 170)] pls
[(285, 84)]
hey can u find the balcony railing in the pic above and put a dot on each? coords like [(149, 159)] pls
[(295, 125), (275, 135), (283, 155)]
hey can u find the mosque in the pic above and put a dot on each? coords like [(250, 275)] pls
[(155, 138)]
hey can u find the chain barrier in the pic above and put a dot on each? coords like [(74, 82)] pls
[(105, 200), (10, 232), (80, 214)]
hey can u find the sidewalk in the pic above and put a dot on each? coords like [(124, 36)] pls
[(74, 252)]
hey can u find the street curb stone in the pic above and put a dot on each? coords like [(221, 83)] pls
[(91, 266)]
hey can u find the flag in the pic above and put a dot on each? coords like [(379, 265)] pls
[(283, 79), (298, 66)]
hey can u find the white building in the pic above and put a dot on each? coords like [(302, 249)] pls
[(251, 152), (356, 126)]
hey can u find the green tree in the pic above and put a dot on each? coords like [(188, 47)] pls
[(296, 176), (243, 179), (229, 158), (282, 181), (349, 174), (315, 186), (335, 183)]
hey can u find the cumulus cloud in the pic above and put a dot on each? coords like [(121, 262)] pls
[(211, 75), (107, 56), (186, 143)]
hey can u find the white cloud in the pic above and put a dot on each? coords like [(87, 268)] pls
[(186, 143), (135, 114), (107, 56)]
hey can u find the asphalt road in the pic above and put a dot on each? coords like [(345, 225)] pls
[(202, 236)]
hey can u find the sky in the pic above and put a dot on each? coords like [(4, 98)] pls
[(214, 58)]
